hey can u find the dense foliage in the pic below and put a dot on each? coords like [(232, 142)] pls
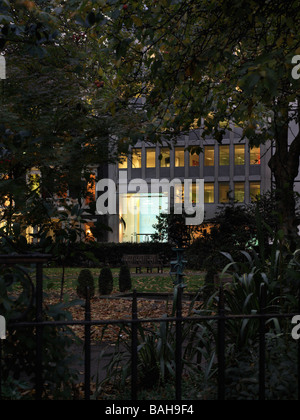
[(86, 284), (277, 277), (216, 65), (19, 356), (124, 279), (75, 71), (106, 281), (235, 227)]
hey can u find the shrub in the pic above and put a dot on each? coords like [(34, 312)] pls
[(209, 281), (20, 357), (156, 361), (85, 280), (98, 255), (124, 279), (106, 281)]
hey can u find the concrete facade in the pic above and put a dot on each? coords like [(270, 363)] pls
[(240, 177)]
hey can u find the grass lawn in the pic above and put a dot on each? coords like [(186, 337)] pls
[(141, 282)]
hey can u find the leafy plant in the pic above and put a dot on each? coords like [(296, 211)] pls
[(156, 357), (13, 389), (124, 279), (235, 228), (172, 228), (106, 281), (242, 373), (156, 354), (19, 348), (85, 280), (278, 272)]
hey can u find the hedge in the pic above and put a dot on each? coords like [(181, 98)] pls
[(110, 254)]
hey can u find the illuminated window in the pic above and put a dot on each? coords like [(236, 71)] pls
[(137, 226), (165, 158), (179, 157), (194, 197), (209, 156), (224, 190), (209, 193), (239, 192), (239, 154), (194, 159), (150, 158), (254, 190), (136, 158), (179, 193), (224, 156), (123, 163), (255, 156)]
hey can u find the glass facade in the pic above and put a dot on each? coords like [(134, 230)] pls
[(179, 193), (239, 154), (239, 192), (123, 163), (255, 156), (224, 155), (179, 157), (224, 190), (136, 158), (209, 193), (138, 214), (165, 161), (194, 159), (209, 156), (194, 197), (221, 183), (255, 190), (151, 158)]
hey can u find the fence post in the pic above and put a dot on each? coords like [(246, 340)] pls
[(87, 347), (0, 369), (221, 345), (39, 331), (298, 344), (178, 355), (134, 348), (262, 343)]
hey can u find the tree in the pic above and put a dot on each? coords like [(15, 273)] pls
[(31, 23), (58, 121), (172, 228), (223, 61), (237, 228), (57, 113)]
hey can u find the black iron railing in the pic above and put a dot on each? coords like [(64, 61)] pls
[(220, 318)]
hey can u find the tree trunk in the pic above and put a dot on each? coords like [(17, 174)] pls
[(285, 167)]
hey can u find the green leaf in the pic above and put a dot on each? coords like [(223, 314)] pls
[(137, 21), (5, 19), (91, 19)]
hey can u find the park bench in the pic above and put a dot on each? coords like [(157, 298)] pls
[(147, 261)]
